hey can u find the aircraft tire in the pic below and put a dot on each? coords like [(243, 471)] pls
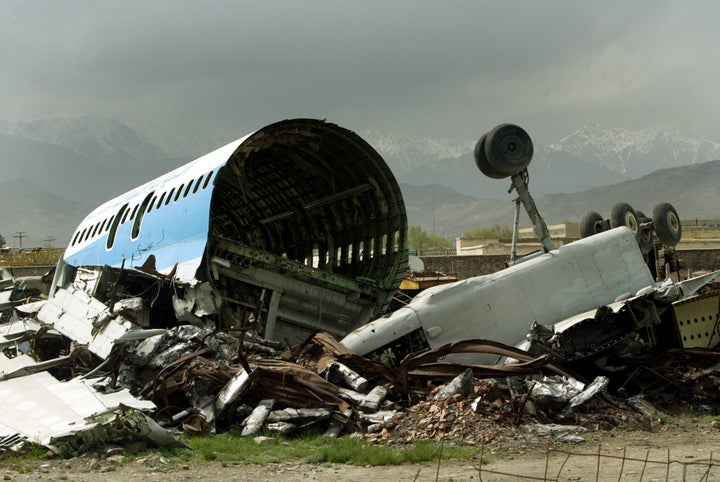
[(509, 149), (481, 160), (667, 224), (622, 214), (591, 223)]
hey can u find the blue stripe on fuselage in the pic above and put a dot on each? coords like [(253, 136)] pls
[(173, 233)]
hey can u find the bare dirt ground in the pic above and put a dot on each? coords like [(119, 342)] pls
[(686, 450)]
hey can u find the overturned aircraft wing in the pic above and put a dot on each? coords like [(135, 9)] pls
[(302, 220), (501, 306)]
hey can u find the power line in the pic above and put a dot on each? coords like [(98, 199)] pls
[(20, 235)]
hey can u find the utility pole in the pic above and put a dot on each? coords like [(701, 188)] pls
[(20, 235), (49, 241)]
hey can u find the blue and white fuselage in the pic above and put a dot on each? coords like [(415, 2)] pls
[(167, 218), (301, 218)]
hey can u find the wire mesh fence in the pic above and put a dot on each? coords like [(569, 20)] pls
[(618, 464)]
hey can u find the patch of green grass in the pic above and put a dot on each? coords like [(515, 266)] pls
[(689, 412), (317, 449), (26, 459), (663, 418), (231, 449)]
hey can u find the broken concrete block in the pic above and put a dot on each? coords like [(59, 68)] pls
[(461, 384), (351, 396), (380, 417), (372, 401), (352, 379), (282, 428), (263, 440), (338, 422), (255, 421), (298, 415)]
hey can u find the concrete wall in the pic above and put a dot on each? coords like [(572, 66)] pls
[(468, 266), (700, 259), (465, 266)]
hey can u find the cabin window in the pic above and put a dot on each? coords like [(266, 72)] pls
[(151, 204), (102, 226), (124, 218), (95, 230), (207, 179), (179, 192), (107, 227), (113, 229), (167, 200), (197, 184), (75, 238), (138, 220), (187, 189), (160, 201)]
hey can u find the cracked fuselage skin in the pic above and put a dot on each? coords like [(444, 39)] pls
[(575, 278)]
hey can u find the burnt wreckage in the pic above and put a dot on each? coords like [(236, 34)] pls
[(182, 297)]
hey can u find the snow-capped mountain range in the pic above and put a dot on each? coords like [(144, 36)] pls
[(591, 156), (89, 160), (637, 152)]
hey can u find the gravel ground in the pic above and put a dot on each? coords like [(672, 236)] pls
[(691, 445)]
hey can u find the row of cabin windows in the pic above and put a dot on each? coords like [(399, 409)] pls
[(148, 205), (350, 255)]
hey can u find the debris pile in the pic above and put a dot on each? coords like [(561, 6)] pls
[(77, 371)]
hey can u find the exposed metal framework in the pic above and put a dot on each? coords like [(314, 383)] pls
[(315, 203), (300, 224)]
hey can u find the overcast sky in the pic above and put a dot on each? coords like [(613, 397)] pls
[(441, 68)]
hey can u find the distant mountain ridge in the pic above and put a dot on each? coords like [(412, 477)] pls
[(88, 136), (637, 152), (82, 159), (591, 156), (71, 165)]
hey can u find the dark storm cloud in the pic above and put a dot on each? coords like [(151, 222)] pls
[(450, 68)]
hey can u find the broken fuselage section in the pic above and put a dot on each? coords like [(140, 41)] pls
[(297, 227), (606, 270), (501, 306)]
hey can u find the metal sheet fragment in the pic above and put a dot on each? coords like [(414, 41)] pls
[(43, 410)]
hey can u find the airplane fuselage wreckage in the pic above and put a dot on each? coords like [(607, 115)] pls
[(300, 225), (181, 297)]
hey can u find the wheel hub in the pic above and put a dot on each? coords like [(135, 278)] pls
[(512, 147)]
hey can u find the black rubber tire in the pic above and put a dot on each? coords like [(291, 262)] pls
[(646, 235), (591, 223), (622, 214), (667, 224), (509, 149), (481, 160)]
